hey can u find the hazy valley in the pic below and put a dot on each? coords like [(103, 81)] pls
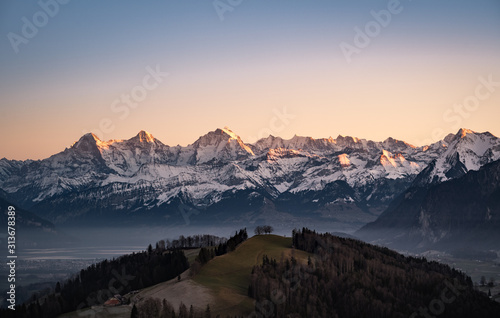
[(99, 200)]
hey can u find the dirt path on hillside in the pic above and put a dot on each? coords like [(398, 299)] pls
[(186, 291)]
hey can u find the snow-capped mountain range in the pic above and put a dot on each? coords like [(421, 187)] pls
[(345, 179)]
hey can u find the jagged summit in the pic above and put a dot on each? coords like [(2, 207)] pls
[(397, 143), (467, 150), (86, 142), (220, 134), (226, 134), (221, 144), (347, 139), (144, 136), (307, 173), (214, 138), (89, 136), (462, 132)]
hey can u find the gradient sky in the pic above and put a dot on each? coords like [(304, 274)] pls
[(263, 58)]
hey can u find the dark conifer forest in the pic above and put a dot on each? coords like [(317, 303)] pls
[(94, 285), (349, 278)]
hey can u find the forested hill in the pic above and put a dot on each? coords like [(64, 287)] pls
[(349, 278), (126, 274), (94, 285), (337, 277)]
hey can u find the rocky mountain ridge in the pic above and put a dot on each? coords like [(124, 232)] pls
[(346, 180), (462, 213)]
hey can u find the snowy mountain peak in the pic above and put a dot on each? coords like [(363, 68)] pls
[(463, 132), (467, 150), (476, 142), (220, 144), (301, 141), (144, 136), (86, 141), (394, 143), (341, 137), (346, 140), (268, 143), (214, 138), (90, 136), (143, 173)]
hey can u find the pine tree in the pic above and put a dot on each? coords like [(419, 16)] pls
[(183, 312), (134, 313), (207, 312), (58, 287)]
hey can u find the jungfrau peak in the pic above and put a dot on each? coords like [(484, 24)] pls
[(221, 144), (216, 137)]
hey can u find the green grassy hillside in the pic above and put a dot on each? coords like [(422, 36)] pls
[(228, 276), (224, 279)]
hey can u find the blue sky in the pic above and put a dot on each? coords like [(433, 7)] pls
[(264, 58)]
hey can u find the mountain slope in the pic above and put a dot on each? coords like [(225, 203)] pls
[(345, 180), (464, 212), (467, 151)]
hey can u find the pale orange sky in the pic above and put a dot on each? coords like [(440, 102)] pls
[(239, 74)]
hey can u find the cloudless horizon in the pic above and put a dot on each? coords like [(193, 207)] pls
[(68, 145), (259, 68)]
